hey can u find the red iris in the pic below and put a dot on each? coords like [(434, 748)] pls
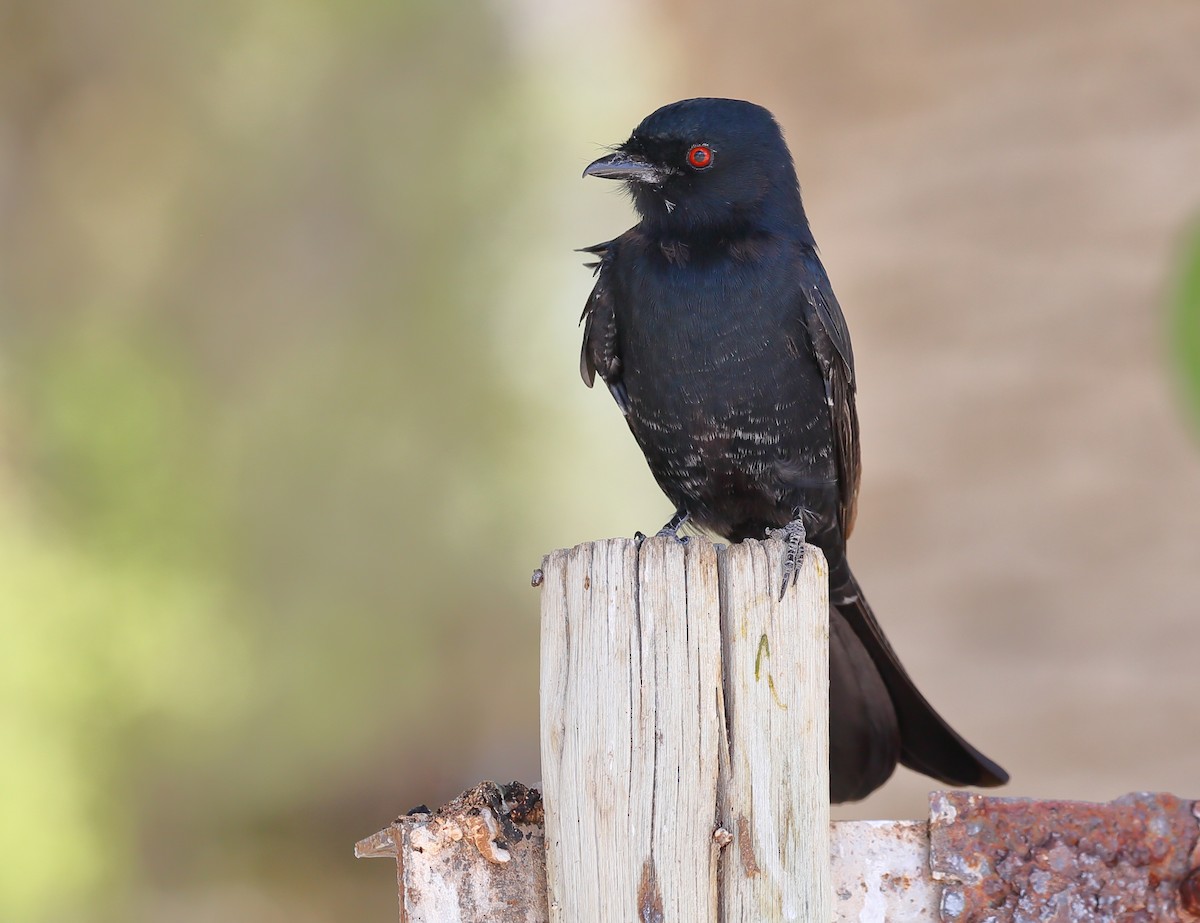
[(700, 156)]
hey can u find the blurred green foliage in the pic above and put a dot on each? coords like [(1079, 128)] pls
[(271, 478), (1187, 321)]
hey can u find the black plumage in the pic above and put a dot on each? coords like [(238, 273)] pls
[(714, 325)]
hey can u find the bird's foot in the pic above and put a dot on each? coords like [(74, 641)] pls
[(670, 530), (674, 524), (793, 536)]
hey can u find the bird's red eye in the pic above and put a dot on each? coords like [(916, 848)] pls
[(700, 157)]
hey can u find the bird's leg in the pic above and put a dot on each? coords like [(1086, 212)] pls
[(674, 524), (670, 530), (793, 535)]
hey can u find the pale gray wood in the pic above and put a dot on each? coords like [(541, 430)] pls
[(650, 657), (880, 873), (450, 870), (775, 787), (630, 729)]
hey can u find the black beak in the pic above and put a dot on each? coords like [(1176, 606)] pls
[(627, 167)]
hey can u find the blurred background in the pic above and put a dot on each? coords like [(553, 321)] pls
[(290, 410)]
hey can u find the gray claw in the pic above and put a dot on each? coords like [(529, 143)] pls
[(793, 534)]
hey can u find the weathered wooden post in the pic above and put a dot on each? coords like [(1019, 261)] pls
[(684, 753), (684, 734)]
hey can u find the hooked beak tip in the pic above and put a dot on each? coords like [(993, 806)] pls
[(625, 167)]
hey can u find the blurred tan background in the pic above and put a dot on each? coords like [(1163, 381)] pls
[(289, 407)]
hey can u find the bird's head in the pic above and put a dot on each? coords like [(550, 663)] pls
[(706, 164)]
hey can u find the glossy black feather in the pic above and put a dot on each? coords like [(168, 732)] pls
[(714, 325)]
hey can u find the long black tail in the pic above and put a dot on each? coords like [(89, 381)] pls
[(927, 743)]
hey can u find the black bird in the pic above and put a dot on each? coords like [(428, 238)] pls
[(717, 332)]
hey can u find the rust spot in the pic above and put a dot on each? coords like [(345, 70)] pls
[(524, 804), (537, 578), (587, 582), (746, 848), (485, 817), (649, 897), (1012, 858), (1189, 893)]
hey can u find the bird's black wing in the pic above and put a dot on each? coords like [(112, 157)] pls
[(826, 327), (600, 352), (928, 743)]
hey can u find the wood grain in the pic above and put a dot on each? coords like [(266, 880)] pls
[(680, 698)]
